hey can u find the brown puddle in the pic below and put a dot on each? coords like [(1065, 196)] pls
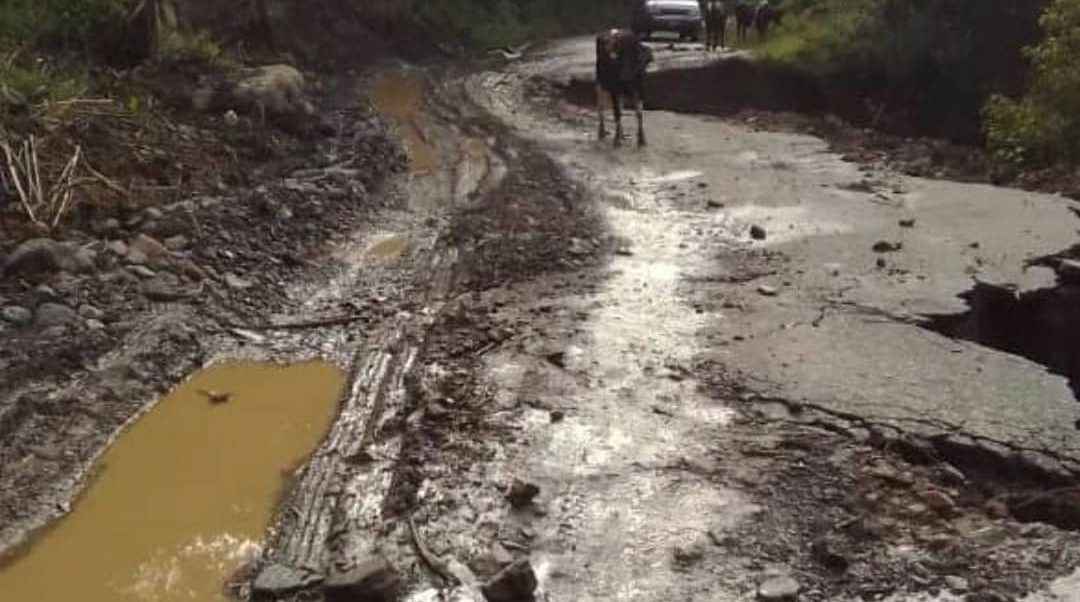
[(399, 96), (183, 498)]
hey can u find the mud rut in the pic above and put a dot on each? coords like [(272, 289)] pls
[(548, 337)]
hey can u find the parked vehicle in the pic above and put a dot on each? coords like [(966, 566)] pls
[(682, 17)]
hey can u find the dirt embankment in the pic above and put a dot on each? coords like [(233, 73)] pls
[(184, 224)]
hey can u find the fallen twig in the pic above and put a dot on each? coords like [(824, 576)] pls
[(427, 558), (100, 177)]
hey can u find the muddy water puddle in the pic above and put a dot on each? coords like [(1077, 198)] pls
[(183, 498), (399, 96)]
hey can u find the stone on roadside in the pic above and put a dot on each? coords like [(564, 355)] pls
[(117, 247), (45, 292), (885, 246), (779, 589), (189, 268), (162, 289), (95, 324), (106, 226), (688, 553), (90, 312), (149, 247), (20, 316), (522, 493), (236, 282), (54, 314), (768, 291), (135, 257), (515, 583), (153, 213), (278, 581), (758, 232), (938, 501), (375, 580), (142, 271), (45, 255), (176, 243), (958, 585)]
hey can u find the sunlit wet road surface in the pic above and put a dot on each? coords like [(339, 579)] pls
[(183, 498)]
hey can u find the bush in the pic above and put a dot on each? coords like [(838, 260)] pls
[(44, 45), (1043, 127), (933, 61), (72, 26)]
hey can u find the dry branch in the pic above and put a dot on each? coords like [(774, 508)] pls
[(45, 201)]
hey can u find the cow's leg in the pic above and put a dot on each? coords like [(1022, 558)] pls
[(616, 102), (639, 109), (601, 100)]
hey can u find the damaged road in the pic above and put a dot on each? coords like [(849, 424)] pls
[(698, 371)]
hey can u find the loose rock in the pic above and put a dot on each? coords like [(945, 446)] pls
[(779, 589), (142, 271), (937, 500), (44, 255), (768, 291), (117, 247), (515, 583), (17, 315), (150, 248), (757, 232), (136, 257), (176, 243), (522, 493), (236, 282), (54, 314), (372, 581), (277, 580), (90, 312), (907, 223), (884, 246), (956, 584), (688, 553), (162, 289)]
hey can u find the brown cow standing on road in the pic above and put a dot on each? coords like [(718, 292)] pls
[(621, 60)]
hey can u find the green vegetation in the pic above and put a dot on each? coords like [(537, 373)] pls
[(1043, 127), (935, 62), (44, 45)]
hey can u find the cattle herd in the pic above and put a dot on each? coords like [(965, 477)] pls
[(717, 13), (622, 57)]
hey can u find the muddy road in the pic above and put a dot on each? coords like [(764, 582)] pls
[(721, 367)]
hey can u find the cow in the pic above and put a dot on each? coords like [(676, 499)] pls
[(765, 15), (716, 17), (621, 60), (744, 18)]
